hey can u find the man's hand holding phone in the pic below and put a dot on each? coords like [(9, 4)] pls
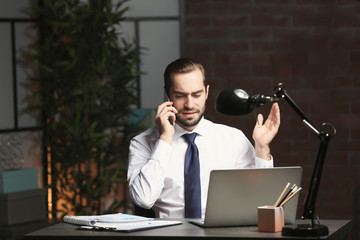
[(165, 120)]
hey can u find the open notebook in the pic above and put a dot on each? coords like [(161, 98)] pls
[(118, 222), (234, 195)]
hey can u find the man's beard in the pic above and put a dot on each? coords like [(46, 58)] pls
[(192, 122)]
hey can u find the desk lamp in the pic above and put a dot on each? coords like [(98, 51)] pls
[(234, 101)]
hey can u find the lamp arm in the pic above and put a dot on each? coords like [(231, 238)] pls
[(310, 200), (279, 92)]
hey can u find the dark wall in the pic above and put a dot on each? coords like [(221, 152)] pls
[(311, 46)]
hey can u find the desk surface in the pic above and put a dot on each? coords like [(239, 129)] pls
[(339, 229)]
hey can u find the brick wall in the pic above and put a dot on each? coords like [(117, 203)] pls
[(311, 46)]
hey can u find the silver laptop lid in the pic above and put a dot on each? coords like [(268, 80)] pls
[(234, 195)]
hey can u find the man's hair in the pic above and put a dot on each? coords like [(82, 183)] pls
[(181, 65)]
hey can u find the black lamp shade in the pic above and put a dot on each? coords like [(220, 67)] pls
[(233, 101)]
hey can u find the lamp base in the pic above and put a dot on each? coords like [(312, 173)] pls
[(305, 230)]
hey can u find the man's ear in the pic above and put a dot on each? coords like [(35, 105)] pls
[(207, 90)]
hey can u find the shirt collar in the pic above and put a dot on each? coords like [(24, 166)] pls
[(200, 129)]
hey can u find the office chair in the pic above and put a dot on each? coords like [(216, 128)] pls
[(143, 212)]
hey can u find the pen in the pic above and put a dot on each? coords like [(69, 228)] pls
[(282, 194)]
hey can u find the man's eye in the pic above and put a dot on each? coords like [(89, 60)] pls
[(179, 96)]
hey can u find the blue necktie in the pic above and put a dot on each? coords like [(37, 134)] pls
[(192, 179)]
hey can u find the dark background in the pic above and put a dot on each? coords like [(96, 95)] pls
[(313, 47)]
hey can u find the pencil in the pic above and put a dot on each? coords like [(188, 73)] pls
[(290, 197), (281, 195), (287, 194)]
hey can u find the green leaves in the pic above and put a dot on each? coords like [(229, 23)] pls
[(87, 83)]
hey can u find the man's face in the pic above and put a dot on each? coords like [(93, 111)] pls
[(189, 95)]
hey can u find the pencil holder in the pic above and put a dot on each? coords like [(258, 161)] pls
[(270, 219)]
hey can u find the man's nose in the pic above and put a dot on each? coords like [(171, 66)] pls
[(189, 102)]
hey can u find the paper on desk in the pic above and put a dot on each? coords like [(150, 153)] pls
[(106, 218), (136, 226)]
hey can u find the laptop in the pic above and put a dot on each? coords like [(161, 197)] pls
[(234, 195)]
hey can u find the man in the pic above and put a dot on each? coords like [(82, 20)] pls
[(157, 156)]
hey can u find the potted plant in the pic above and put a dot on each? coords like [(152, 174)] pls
[(86, 84)]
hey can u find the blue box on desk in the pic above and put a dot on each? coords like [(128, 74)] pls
[(18, 180)]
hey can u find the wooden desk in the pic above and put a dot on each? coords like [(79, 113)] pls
[(339, 229)]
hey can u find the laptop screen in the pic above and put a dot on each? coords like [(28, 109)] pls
[(234, 195)]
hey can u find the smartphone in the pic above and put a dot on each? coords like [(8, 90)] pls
[(171, 120)]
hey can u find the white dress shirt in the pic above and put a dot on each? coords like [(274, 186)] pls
[(156, 169)]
